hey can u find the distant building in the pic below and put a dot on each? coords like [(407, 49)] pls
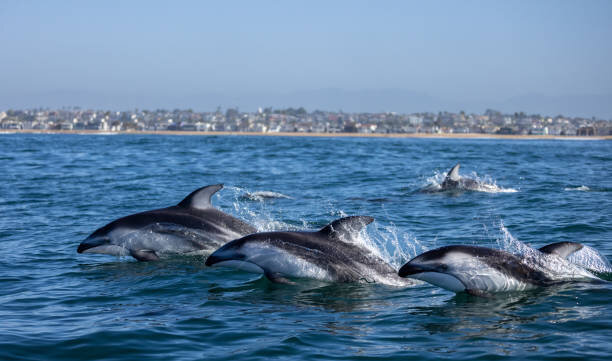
[(539, 131), (506, 130), (586, 131)]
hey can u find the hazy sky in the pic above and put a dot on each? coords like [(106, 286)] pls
[(454, 54)]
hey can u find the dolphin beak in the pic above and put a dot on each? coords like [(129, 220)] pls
[(90, 242), (410, 269)]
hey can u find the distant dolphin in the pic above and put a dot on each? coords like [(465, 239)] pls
[(261, 195), (480, 270), (323, 255), (454, 182), (192, 225)]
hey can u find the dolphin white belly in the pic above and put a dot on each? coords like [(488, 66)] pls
[(275, 260), (442, 280)]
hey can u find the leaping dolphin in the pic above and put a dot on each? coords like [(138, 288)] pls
[(325, 255), (193, 225), (480, 270)]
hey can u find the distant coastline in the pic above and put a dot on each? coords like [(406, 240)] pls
[(305, 134)]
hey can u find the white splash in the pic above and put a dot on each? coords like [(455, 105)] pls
[(555, 267), (256, 213), (489, 185), (510, 244), (591, 259), (434, 183)]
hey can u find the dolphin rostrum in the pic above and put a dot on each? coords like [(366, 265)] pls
[(480, 270), (326, 255), (193, 225)]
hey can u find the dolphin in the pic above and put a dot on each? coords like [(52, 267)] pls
[(454, 182), (481, 271), (193, 225), (325, 255)]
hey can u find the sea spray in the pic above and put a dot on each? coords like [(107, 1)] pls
[(572, 268), (510, 244), (256, 213), (591, 259)]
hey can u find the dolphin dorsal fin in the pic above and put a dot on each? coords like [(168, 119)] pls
[(345, 226), (200, 198), (453, 174), (562, 249)]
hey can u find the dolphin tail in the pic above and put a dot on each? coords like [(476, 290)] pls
[(561, 249)]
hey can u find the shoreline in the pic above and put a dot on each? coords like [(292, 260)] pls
[(316, 135)]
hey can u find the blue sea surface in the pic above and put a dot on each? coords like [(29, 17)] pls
[(56, 304)]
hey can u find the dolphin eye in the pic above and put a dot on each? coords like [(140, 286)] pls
[(443, 267)]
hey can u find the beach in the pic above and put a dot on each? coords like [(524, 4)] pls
[(299, 134)]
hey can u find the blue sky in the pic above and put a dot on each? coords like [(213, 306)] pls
[(352, 55)]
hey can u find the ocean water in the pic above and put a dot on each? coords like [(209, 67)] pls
[(56, 304)]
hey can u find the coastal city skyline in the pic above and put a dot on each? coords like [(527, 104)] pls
[(298, 120), (548, 57)]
